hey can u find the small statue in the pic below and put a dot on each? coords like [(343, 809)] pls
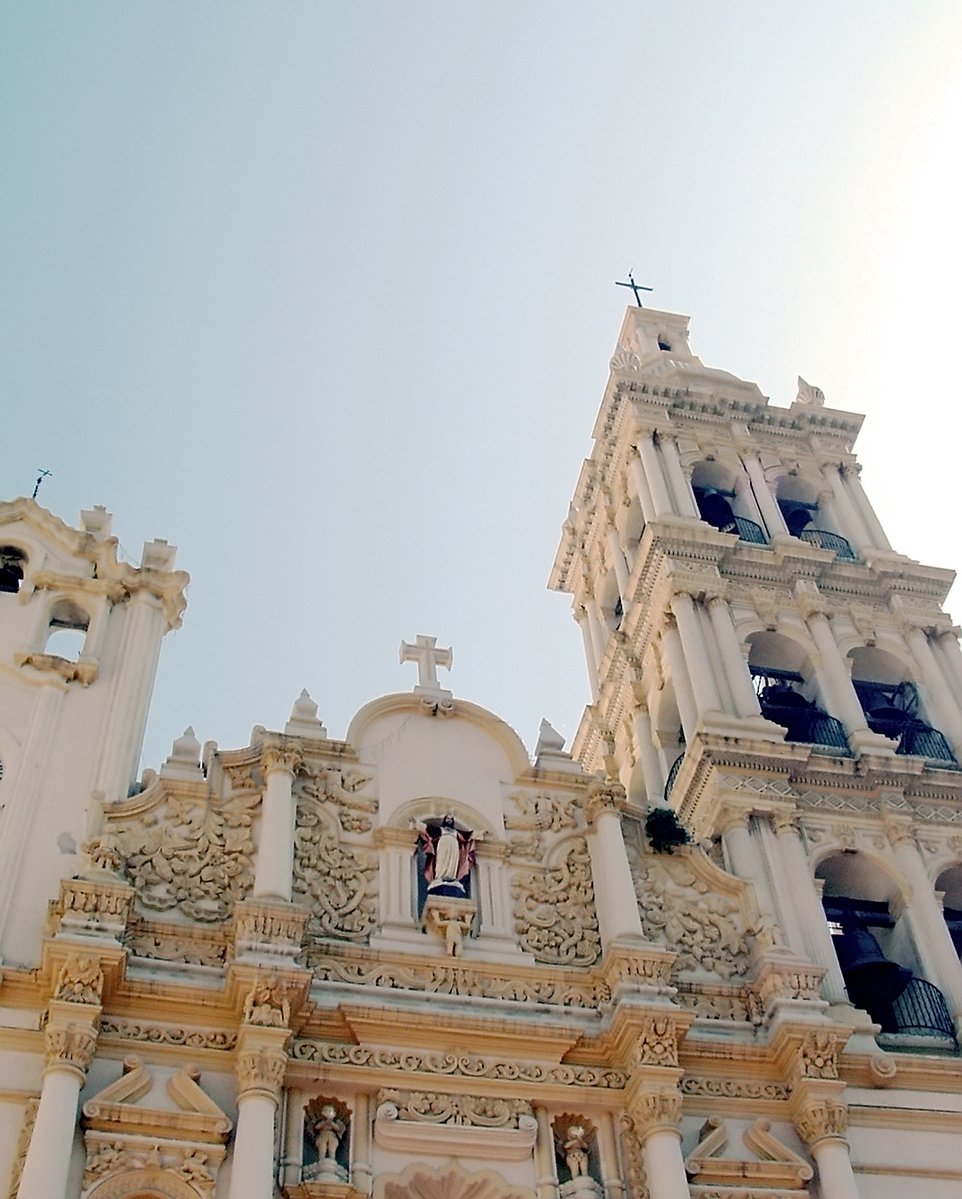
[(575, 1149), (80, 980), (327, 1131), (448, 855), (267, 1003)]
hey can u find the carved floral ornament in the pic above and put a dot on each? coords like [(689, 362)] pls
[(71, 1046), (821, 1119), (432, 1107), (554, 911), (336, 879), (261, 1070), (80, 980), (448, 1182)]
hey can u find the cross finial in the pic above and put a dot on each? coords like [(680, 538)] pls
[(429, 657), (635, 287), (44, 474)]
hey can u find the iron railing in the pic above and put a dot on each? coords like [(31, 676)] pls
[(924, 742), (920, 1010), (673, 774), (827, 541), (782, 702), (748, 530)]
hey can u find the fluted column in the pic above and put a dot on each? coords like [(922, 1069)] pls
[(945, 711), (275, 852), (615, 899), (642, 490), (684, 499), (362, 1178), (70, 1040), (608, 1158), (800, 885), (767, 504), (651, 460), (547, 1177), (678, 666), (696, 653), (949, 654), (733, 663), (744, 858), (648, 756), (292, 1163), (850, 477), (395, 852), (784, 906), (597, 627), (927, 920), (261, 1065), (840, 698), (851, 522)]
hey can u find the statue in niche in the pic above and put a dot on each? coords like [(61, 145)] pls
[(325, 1124), (575, 1150), (327, 1131), (447, 854)]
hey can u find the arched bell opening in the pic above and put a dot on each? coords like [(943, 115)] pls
[(67, 627), (949, 885), (893, 706), (722, 503), (876, 951), (805, 518), (788, 693), (13, 561)]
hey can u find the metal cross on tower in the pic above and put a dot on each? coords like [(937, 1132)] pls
[(425, 652), (635, 287)]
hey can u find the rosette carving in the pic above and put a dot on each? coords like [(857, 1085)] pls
[(555, 915), (336, 880)]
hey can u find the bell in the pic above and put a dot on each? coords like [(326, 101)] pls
[(870, 977)]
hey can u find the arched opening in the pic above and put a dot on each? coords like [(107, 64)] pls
[(892, 705), (669, 737), (876, 952), (798, 501), (12, 564), (787, 691), (949, 883), (66, 630), (721, 505)]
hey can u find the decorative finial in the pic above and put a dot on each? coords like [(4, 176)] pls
[(809, 396)]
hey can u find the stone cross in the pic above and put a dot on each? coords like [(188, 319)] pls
[(425, 652)]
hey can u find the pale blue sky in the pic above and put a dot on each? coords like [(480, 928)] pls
[(323, 294)]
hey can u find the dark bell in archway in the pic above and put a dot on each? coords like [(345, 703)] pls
[(870, 977)]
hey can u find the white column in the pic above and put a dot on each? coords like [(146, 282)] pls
[(853, 484), (696, 653), (618, 562), (261, 1062), (608, 1158), (747, 500), (677, 665), (597, 627), (294, 1137), (642, 490), (69, 1050), (835, 1175), (581, 616), (494, 901), (945, 712), (784, 907), (395, 878), (275, 851), (927, 921), (664, 1165), (733, 663), (361, 1177), (684, 499), (841, 698), (547, 1177), (744, 859), (767, 504), (852, 527), (949, 655), (615, 899), (800, 885), (648, 756), (655, 475)]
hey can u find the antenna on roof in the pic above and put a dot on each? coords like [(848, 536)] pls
[(43, 474)]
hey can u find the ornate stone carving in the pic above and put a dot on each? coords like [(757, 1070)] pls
[(733, 1088), (267, 1003), (166, 1034), (178, 943), (818, 1055), (23, 1144), (104, 854), (337, 788), (657, 1043), (337, 881), (80, 980), (634, 1159), (774, 1166), (69, 1045), (280, 757), (555, 915), (273, 930), (335, 1053), (609, 796), (653, 1110), (450, 1182), (538, 814), (90, 908), (818, 1119), (261, 1069), (452, 919), (139, 1166), (435, 1107), (704, 926), (196, 855)]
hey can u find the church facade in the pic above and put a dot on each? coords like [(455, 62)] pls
[(710, 953)]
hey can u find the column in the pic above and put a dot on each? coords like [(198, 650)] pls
[(799, 884), (494, 901), (581, 616), (275, 852), (821, 1122), (767, 504), (927, 921), (733, 663), (261, 1064), (648, 756), (747, 501), (656, 1116), (655, 475), (547, 1177), (696, 653), (395, 854), (684, 499), (784, 909), (615, 899), (853, 484), (293, 1137), (597, 627), (684, 696), (949, 655), (851, 523), (70, 1041), (611, 1178), (840, 696), (618, 562), (743, 858), (361, 1177), (945, 708), (642, 490)]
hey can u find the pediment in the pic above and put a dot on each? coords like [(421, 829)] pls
[(772, 1169), (117, 1108)]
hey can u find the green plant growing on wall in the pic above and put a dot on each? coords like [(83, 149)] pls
[(665, 831)]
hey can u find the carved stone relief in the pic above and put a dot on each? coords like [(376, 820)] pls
[(336, 880), (434, 1107), (555, 915)]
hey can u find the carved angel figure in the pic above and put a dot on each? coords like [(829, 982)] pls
[(267, 1003), (80, 980), (575, 1149), (327, 1131)]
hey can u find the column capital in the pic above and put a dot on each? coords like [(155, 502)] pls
[(655, 1110), (820, 1118), (607, 796), (277, 757), (785, 823), (733, 818), (69, 1047), (261, 1062)]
